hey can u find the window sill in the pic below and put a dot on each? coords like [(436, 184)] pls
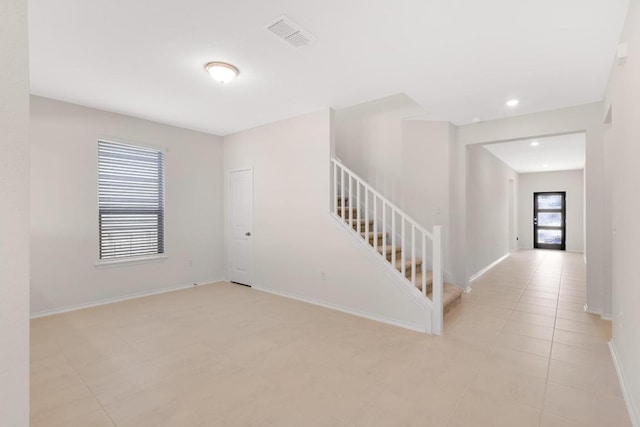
[(130, 261)]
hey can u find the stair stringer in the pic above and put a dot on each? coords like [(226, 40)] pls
[(395, 277)]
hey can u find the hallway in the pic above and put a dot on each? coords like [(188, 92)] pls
[(545, 352)]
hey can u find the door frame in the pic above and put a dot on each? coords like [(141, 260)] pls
[(563, 227), (228, 224), (512, 215)]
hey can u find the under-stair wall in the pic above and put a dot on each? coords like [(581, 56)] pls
[(300, 251)]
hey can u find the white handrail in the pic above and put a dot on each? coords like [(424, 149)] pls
[(401, 243), (380, 196)]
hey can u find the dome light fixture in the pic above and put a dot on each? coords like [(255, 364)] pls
[(512, 102), (221, 71)]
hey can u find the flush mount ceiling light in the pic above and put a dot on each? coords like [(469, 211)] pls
[(512, 102), (534, 143), (221, 71)]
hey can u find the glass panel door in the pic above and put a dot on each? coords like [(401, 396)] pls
[(549, 227)]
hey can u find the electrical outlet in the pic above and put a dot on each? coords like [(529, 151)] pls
[(323, 276)]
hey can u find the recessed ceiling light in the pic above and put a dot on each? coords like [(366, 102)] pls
[(512, 102), (221, 71), (545, 165), (476, 120), (534, 143)]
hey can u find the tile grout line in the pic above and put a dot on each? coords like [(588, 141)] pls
[(553, 333), (89, 390), (549, 358)]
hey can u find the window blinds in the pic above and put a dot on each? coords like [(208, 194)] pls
[(131, 200)]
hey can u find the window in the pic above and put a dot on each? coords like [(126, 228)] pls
[(131, 201)]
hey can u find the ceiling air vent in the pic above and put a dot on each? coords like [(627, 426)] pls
[(290, 32)]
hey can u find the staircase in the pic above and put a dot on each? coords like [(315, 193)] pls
[(396, 238)]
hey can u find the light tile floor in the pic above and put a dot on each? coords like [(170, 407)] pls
[(519, 351)]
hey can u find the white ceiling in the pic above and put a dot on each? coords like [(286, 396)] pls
[(458, 59), (554, 153)]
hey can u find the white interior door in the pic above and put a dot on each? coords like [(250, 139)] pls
[(241, 226)]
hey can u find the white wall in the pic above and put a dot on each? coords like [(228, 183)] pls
[(425, 171), (405, 159), (623, 152), (295, 238), (14, 215), (457, 209), (570, 181), (368, 139), (488, 236), (584, 118), (64, 207)]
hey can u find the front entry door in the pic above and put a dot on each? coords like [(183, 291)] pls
[(549, 225), (240, 226)]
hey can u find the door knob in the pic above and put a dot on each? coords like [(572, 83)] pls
[(248, 233)]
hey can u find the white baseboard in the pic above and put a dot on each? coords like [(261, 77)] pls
[(81, 306), (597, 313), (592, 311), (634, 412), (488, 267), (378, 318)]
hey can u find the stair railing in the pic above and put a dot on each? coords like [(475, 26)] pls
[(351, 193)]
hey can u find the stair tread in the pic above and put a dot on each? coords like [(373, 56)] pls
[(407, 264), (418, 281), (347, 212), (371, 235), (388, 249), (450, 293), (359, 225)]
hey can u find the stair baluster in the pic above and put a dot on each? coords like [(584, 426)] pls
[(342, 204), (375, 223), (424, 262), (366, 215), (334, 199), (413, 254)]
